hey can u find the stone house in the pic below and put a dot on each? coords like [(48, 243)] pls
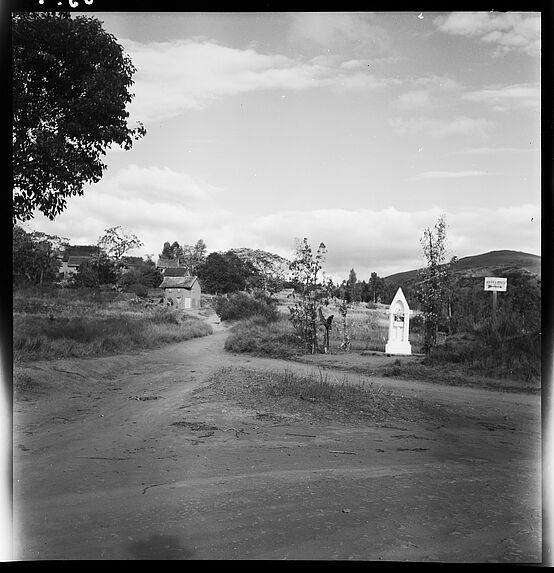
[(184, 291)]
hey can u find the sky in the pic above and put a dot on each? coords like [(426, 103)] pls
[(355, 129)]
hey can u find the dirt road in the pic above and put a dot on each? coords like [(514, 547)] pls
[(132, 457)]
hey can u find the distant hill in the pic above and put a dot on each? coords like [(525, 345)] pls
[(486, 264)]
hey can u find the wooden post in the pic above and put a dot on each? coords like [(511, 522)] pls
[(494, 302)]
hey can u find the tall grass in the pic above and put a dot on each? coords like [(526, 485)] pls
[(46, 328), (495, 347), (257, 336)]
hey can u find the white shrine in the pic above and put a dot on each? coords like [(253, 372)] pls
[(399, 325)]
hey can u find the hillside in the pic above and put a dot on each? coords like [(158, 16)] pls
[(486, 264)]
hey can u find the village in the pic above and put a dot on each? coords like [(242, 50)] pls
[(277, 287)]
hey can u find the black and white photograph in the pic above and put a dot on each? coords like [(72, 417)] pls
[(276, 286)]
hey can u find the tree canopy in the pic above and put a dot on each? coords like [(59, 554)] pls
[(34, 257), (71, 83), (225, 273), (116, 241)]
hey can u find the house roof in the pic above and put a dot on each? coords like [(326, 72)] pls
[(74, 261), (176, 272), (80, 251), (178, 282), (167, 263)]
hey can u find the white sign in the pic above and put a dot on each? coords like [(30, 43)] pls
[(496, 283)]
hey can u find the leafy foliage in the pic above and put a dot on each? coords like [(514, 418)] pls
[(435, 280), (34, 257), (270, 268), (116, 241), (142, 273), (310, 292), (96, 271), (71, 83), (240, 305), (225, 273)]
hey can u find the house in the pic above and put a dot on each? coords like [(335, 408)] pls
[(183, 291), (164, 264), (74, 256), (175, 272)]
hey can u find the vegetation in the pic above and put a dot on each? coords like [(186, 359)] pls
[(33, 258), (311, 292), (320, 394), (71, 85), (241, 305), (59, 327), (116, 241), (224, 273), (494, 347), (188, 256), (432, 291), (260, 337)]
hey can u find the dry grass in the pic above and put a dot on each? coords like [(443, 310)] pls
[(56, 327), (319, 395)]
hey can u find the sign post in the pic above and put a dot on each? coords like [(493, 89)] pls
[(495, 284)]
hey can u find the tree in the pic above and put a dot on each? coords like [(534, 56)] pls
[(33, 257), (225, 273), (270, 268), (141, 272), (310, 292), (432, 289), (116, 241), (192, 257), (352, 280), (376, 286), (71, 83), (96, 271)]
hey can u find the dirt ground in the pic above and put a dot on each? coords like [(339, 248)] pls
[(139, 457)]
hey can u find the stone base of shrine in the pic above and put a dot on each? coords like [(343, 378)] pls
[(395, 347)]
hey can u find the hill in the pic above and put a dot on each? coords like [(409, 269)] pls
[(492, 263)]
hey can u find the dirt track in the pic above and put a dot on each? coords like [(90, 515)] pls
[(132, 457)]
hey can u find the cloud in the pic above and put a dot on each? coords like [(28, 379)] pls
[(446, 175), (491, 150), (511, 31), (428, 92), (416, 99), (507, 98), (159, 183), (385, 241), (436, 83), (438, 128), (339, 32), (181, 75)]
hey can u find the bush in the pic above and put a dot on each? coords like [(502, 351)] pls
[(496, 347), (139, 289), (240, 306), (261, 337)]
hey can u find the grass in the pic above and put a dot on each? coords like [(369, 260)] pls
[(319, 394), (259, 337), (57, 327), (367, 329)]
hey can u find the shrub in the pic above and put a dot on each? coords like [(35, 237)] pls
[(139, 289), (240, 305), (495, 347), (261, 337)]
